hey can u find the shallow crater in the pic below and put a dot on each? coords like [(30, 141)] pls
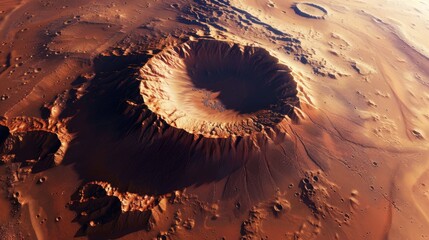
[(310, 10)]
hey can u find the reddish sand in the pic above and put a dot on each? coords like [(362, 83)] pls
[(214, 119)]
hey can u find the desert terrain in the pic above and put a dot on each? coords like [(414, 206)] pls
[(214, 119)]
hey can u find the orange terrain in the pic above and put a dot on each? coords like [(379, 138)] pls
[(214, 119)]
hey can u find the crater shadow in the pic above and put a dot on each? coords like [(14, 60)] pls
[(35, 149)]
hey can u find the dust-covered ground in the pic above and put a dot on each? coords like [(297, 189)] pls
[(214, 119)]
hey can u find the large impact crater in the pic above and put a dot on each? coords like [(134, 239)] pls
[(218, 89)]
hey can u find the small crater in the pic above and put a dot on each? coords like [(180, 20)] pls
[(310, 10), (417, 134), (189, 224), (280, 206), (162, 236), (4, 97), (41, 180)]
